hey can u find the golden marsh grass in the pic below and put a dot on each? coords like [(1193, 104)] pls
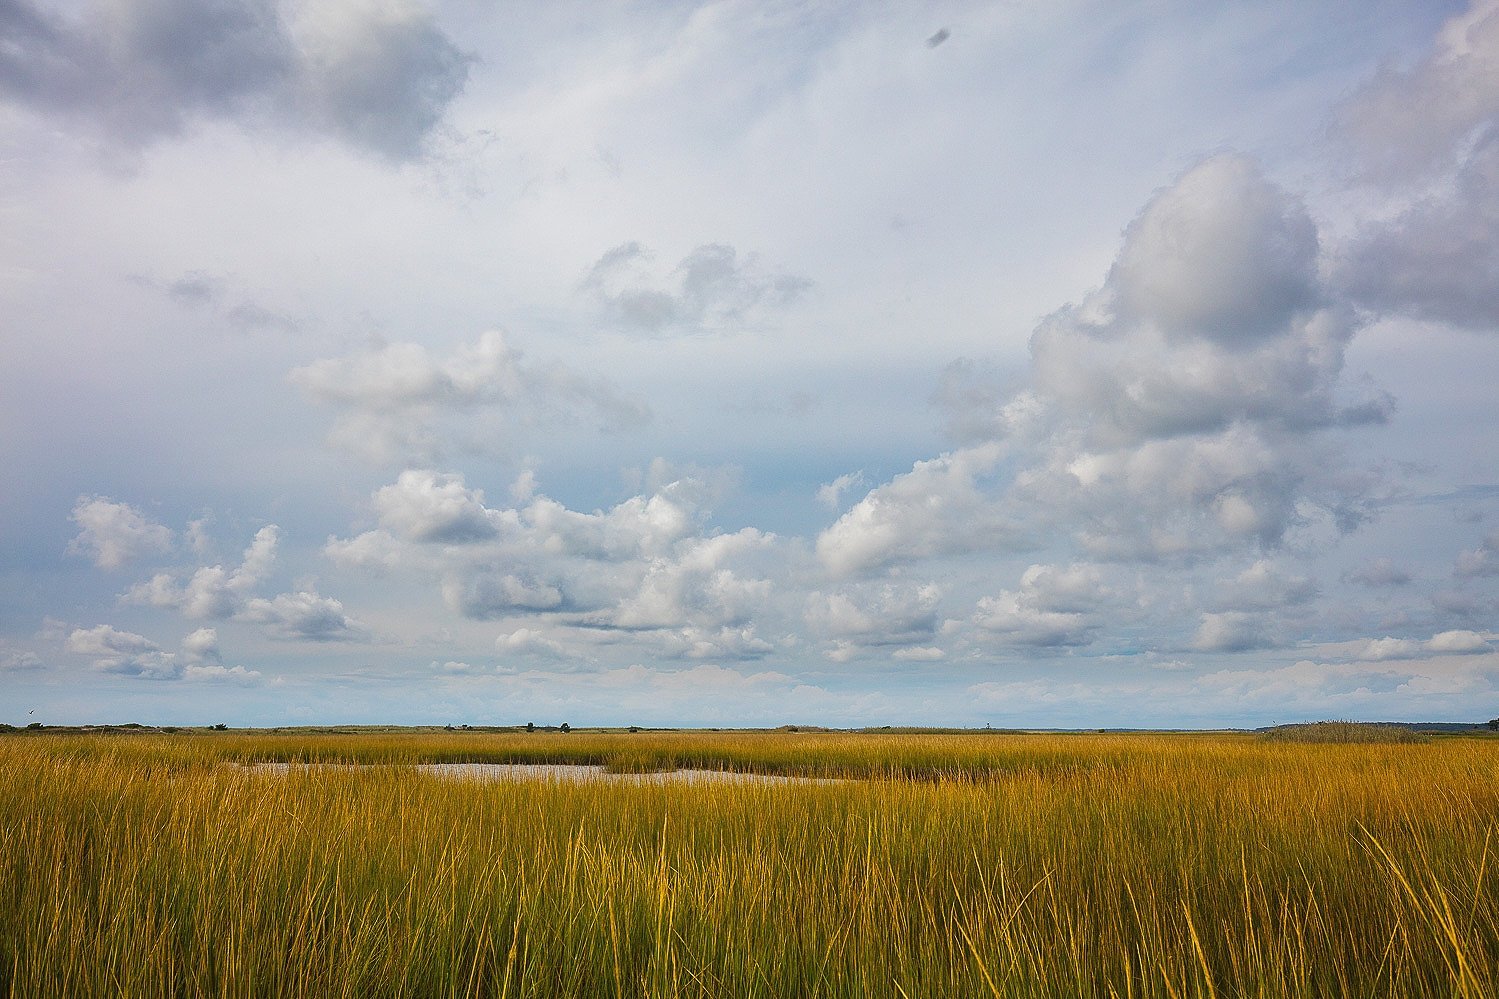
[(955, 865)]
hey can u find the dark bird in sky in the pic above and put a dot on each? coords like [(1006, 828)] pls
[(941, 36)]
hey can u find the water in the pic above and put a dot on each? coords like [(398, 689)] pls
[(559, 772)]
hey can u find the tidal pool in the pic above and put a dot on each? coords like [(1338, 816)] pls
[(566, 772)]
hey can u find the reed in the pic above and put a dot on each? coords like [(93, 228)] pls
[(1015, 865)]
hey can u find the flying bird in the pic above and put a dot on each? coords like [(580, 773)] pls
[(941, 36)]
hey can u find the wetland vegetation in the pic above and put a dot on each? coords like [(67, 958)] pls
[(974, 864)]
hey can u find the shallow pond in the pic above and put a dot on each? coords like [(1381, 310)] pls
[(563, 772)]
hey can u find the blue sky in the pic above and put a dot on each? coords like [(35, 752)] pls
[(1059, 364)]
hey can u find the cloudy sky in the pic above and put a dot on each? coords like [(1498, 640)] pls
[(1040, 364)]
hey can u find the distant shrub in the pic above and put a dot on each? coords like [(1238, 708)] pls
[(1344, 731)]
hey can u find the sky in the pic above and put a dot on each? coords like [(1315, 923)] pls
[(1064, 364)]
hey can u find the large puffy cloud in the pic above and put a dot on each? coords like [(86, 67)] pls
[(378, 74), (1221, 256), (1429, 135), (400, 402), (1176, 413), (711, 289), (113, 534)]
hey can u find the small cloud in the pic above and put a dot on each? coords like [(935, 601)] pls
[(113, 534), (220, 673), (195, 288), (212, 591), (830, 494), (528, 642), (1230, 631), (712, 289), (201, 648), (1481, 561), (125, 652), (304, 616), (399, 403), (18, 661), (1379, 573), (253, 318), (1458, 643), (455, 668)]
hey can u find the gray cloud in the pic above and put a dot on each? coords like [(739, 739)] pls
[(1405, 122), (1480, 561), (1173, 414), (19, 660), (710, 289), (1429, 135), (1053, 607), (971, 398), (304, 616), (195, 288), (1263, 586), (1381, 572), (1232, 631), (488, 594), (860, 617), (377, 75), (1439, 259), (201, 290), (1221, 256), (401, 404)]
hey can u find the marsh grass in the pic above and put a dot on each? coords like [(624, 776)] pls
[(961, 866), (1344, 731)]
